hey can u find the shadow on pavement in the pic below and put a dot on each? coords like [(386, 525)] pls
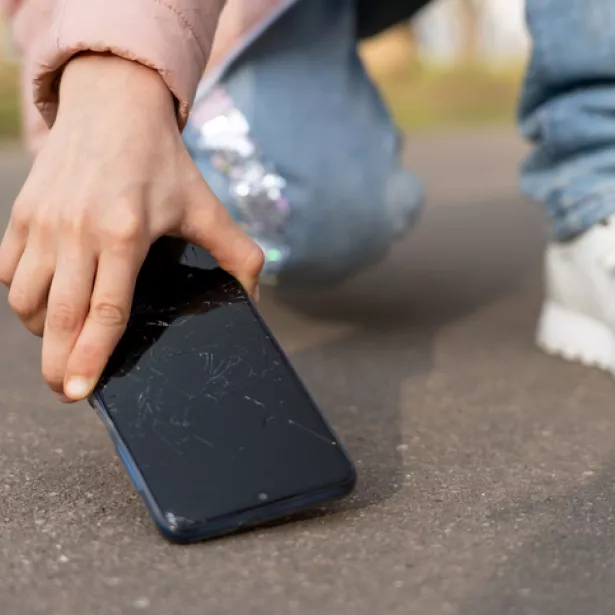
[(459, 259)]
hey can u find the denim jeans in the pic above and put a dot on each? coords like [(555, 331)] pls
[(568, 112), (314, 121)]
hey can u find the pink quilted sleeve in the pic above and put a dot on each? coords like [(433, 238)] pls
[(173, 37), (8, 7)]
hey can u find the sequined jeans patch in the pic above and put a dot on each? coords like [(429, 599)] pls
[(255, 187)]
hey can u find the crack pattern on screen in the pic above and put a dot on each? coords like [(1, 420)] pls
[(218, 371), (197, 386)]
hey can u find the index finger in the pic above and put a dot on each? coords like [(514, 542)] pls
[(209, 225), (105, 324)]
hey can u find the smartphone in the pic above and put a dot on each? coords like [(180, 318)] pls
[(211, 421)]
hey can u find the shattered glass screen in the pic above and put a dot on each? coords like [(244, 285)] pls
[(208, 407)]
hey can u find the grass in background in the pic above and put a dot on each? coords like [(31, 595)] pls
[(474, 96), (9, 101)]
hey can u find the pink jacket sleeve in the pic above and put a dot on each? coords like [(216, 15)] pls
[(173, 37), (9, 6)]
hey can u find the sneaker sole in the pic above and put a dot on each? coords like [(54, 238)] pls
[(576, 337)]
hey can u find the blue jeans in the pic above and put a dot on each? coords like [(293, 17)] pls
[(568, 112), (310, 118)]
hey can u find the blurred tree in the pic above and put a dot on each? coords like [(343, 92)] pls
[(470, 14), (391, 52)]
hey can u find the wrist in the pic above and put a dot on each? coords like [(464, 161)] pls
[(94, 80)]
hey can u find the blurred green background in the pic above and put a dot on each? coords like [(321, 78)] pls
[(9, 101), (468, 92)]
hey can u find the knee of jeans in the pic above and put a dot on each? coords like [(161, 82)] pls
[(344, 212), (338, 225), (336, 235)]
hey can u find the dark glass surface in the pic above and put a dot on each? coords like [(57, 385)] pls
[(208, 407)]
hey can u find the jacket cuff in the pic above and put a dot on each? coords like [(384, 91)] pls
[(151, 32)]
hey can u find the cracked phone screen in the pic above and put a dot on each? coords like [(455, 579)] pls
[(208, 406)]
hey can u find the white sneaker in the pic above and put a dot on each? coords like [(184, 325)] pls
[(578, 316)]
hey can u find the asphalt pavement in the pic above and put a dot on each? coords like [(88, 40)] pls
[(486, 468)]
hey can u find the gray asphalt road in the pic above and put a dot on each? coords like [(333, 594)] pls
[(486, 468)]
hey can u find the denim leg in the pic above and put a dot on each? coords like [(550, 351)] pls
[(316, 121), (568, 112)]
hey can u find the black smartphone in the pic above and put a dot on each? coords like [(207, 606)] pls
[(214, 426)]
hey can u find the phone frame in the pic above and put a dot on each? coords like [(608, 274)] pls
[(185, 532)]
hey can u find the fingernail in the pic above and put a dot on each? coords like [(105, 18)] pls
[(77, 388), (63, 398)]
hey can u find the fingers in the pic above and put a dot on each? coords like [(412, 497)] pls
[(11, 250), (106, 321), (67, 309), (30, 285), (209, 225)]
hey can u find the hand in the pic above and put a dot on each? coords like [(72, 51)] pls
[(112, 177)]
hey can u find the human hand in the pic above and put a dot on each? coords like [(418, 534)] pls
[(112, 177)]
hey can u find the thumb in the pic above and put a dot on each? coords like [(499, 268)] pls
[(207, 224)]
